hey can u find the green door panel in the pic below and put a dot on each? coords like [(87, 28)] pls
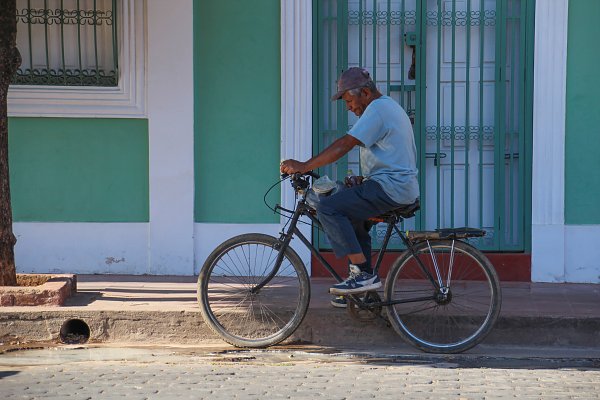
[(582, 142), (237, 95)]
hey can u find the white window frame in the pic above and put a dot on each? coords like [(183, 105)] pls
[(127, 100)]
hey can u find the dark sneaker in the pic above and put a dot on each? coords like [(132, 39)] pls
[(356, 284), (339, 301)]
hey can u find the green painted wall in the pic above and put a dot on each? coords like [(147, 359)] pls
[(79, 170), (582, 151), (237, 108)]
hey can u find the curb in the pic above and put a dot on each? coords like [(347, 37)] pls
[(326, 327)]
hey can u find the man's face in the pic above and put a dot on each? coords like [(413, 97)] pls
[(356, 104)]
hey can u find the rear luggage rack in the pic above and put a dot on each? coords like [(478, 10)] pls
[(449, 233)]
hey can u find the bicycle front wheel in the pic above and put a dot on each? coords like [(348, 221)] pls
[(232, 306), (448, 302)]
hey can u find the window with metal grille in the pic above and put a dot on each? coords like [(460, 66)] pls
[(67, 42)]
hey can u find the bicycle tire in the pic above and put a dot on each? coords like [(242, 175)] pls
[(235, 314), (447, 324)]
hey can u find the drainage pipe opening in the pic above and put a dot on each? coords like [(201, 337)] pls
[(74, 331)]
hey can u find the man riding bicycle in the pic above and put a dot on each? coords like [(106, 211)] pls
[(388, 159)]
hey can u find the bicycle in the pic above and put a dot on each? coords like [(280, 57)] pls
[(441, 294)]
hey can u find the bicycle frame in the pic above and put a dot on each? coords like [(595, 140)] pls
[(302, 209)]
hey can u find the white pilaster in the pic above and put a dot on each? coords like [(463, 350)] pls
[(548, 170), (296, 81), (296, 94), (171, 134)]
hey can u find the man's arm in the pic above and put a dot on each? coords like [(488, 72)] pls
[(331, 154)]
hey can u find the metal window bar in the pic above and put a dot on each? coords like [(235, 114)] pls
[(67, 43)]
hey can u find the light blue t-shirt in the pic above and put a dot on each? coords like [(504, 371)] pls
[(389, 154)]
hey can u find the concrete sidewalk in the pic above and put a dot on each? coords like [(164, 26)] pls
[(163, 309)]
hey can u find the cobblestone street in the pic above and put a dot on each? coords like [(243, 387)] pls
[(113, 373)]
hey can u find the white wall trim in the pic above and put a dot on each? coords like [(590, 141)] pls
[(81, 248), (548, 170), (125, 101), (171, 137), (296, 95), (582, 253)]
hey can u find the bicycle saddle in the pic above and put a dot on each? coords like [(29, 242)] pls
[(405, 211)]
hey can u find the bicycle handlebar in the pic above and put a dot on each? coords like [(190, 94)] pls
[(298, 175)]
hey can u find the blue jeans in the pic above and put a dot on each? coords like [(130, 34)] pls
[(344, 217)]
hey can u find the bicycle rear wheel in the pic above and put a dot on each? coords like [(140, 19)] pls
[(228, 304), (455, 313)]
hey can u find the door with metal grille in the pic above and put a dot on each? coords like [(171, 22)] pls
[(458, 68)]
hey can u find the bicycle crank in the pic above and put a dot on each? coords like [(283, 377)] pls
[(364, 312)]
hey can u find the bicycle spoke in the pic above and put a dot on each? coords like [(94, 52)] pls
[(266, 311), (419, 310), (239, 273), (467, 307), (223, 298), (225, 266), (268, 263)]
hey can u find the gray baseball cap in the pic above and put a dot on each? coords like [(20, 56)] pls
[(352, 78)]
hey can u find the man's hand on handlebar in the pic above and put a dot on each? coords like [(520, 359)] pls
[(292, 166)]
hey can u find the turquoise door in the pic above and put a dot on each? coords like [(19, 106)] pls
[(459, 68)]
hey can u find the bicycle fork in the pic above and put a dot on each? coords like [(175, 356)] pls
[(284, 241)]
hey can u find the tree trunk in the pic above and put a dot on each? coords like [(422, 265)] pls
[(10, 59)]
